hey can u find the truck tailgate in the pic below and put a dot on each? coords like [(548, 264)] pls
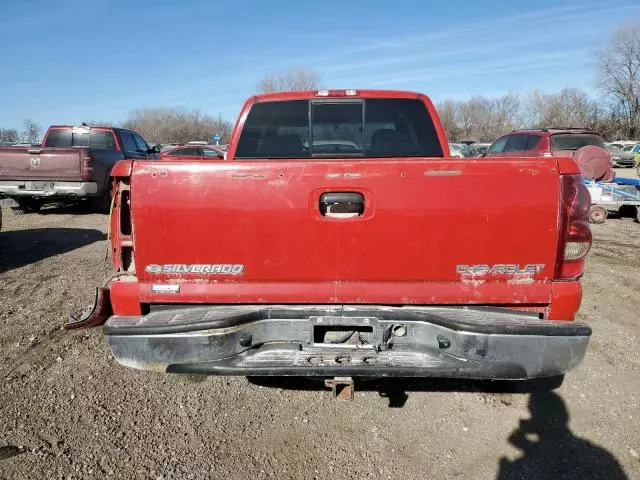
[(432, 231), (40, 164)]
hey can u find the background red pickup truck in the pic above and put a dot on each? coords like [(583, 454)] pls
[(339, 238), (71, 163)]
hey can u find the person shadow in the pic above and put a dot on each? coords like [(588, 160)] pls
[(551, 451)]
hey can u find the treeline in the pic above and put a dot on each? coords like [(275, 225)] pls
[(615, 114), (30, 133), (484, 119), (175, 125)]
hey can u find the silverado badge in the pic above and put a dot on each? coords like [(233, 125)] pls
[(211, 269)]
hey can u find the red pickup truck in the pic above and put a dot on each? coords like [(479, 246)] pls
[(71, 163), (339, 238)]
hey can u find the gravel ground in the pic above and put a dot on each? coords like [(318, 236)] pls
[(68, 410)]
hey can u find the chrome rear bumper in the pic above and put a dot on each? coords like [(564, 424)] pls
[(43, 188), (389, 341)]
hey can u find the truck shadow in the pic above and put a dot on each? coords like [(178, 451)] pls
[(550, 450), (397, 390), (57, 208), (23, 247), (69, 208)]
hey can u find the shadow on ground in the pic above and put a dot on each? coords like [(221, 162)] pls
[(551, 451), (23, 247), (397, 389), (54, 208)]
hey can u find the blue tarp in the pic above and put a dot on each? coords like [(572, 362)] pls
[(619, 189), (627, 181)]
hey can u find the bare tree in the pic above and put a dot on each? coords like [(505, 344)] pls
[(31, 132), (619, 76), (172, 125), (299, 79), (8, 135), (448, 111), (484, 119), (570, 107)]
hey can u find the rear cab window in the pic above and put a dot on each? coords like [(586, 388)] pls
[(573, 141), (329, 128), (80, 137)]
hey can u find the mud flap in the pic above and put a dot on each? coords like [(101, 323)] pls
[(94, 315)]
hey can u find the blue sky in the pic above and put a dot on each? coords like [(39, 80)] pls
[(70, 61)]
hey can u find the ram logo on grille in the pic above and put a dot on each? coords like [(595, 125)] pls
[(211, 269)]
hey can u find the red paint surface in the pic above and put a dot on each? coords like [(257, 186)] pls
[(423, 217), (124, 298), (565, 300)]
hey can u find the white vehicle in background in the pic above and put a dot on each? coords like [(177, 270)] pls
[(456, 150), (476, 149), (625, 145)]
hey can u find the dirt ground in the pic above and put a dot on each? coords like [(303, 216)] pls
[(68, 410)]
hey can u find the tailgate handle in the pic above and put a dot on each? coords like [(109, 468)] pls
[(34, 150), (342, 204)]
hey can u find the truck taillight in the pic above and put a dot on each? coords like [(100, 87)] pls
[(87, 168), (575, 234)]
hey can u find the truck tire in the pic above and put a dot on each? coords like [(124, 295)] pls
[(102, 203), (597, 214), (26, 206), (638, 214)]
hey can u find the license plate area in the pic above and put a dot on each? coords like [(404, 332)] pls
[(39, 186), (344, 332)]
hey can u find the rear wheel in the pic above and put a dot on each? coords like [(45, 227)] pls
[(101, 204), (597, 214), (26, 206)]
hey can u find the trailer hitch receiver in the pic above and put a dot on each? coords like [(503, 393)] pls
[(341, 387)]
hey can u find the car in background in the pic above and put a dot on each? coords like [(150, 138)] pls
[(635, 150), (475, 150), (196, 150), (623, 144), (456, 150), (620, 158), (169, 146), (544, 141), (73, 163)]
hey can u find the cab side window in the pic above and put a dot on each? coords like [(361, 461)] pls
[(142, 145), (128, 142), (516, 143), (498, 146)]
